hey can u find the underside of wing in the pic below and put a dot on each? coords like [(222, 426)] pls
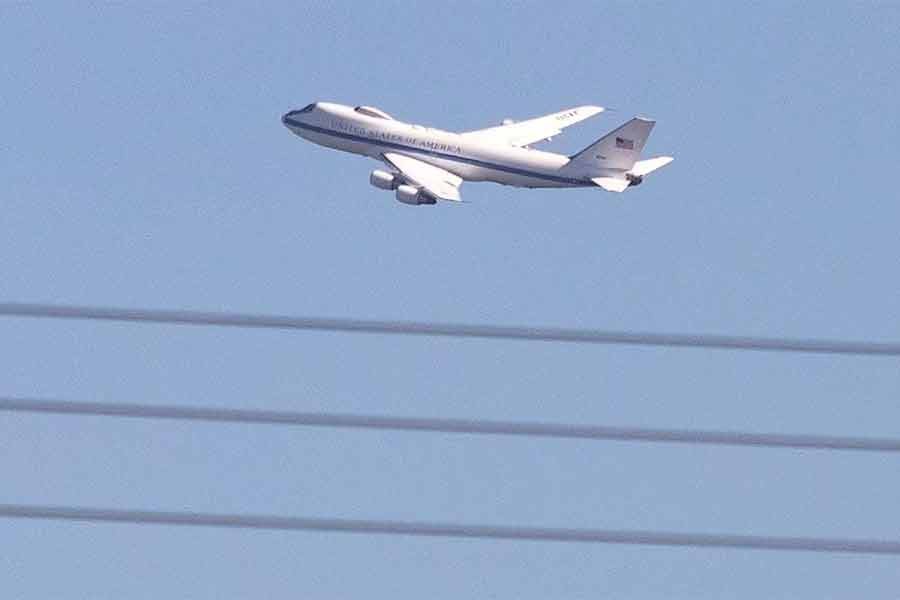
[(535, 130), (435, 181)]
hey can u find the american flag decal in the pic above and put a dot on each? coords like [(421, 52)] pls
[(624, 143)]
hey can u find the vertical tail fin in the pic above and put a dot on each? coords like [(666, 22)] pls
[(619, 149)]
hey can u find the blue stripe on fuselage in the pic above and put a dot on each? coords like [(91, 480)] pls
[(471, 161)]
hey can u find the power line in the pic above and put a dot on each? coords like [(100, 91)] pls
[(452, 530), (461, 426), (459, 330)]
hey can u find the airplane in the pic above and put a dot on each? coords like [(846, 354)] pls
[(425, 165)]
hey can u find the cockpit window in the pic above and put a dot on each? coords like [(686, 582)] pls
[(307, 108), (371, 111)]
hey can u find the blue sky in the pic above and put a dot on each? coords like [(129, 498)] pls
[(144, 164)]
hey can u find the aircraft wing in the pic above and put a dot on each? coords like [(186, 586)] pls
[(528, 132), (441, 184)]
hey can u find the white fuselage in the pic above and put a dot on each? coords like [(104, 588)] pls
[(343, 128)]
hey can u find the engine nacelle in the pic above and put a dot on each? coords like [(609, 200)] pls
[(383, 180), (407, 194)]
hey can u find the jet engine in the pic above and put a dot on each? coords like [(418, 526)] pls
[(407, 194), (383, 180), (634, 179)]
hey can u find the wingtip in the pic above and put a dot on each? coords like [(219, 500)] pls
[(593, 109)]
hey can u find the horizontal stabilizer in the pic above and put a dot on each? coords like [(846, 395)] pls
[(644, 167), (612, 184)]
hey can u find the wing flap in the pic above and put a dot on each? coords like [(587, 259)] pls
[(534, 130), (438, 182)]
